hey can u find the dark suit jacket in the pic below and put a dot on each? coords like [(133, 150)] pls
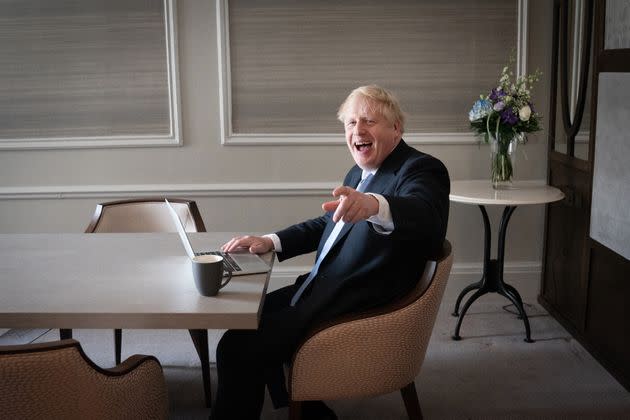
[(364, 268)]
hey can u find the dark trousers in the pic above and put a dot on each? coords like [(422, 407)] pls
[(248, 359)]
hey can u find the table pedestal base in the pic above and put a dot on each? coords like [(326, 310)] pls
[(492, 279)]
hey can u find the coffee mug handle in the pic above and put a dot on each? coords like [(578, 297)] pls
[(226, 279)]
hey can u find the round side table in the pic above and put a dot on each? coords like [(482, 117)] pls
[(481, 193)]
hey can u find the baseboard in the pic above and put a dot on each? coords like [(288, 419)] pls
[(524, 275), (15, 336)]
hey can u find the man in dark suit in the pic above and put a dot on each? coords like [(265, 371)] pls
[(388, 218)]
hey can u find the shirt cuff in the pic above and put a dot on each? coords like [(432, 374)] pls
[(383, 222), (277, 246)]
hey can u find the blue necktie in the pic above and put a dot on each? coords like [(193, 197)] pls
[(329, 242)]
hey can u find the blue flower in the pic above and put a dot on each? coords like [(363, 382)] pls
[(480, 109)]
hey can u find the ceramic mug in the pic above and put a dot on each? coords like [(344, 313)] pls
[(208, 274)]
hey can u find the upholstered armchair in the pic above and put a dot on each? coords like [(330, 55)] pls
[(56, 380), (372, 353), (151, 215)]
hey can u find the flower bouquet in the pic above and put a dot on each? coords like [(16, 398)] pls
[(502, 118)]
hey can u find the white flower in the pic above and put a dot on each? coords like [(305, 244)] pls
[(524, 113)]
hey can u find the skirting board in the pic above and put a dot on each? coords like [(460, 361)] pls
[(15, 336), (524, 275)]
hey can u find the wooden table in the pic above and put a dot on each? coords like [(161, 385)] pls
[(121, 280), (481, 193)]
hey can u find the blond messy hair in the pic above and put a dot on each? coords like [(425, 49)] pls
[(380, 100)]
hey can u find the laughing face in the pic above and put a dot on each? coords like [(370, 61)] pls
[(370, 136)]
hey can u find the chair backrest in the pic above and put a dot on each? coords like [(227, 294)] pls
[(144, 215), (372, 353), (56, 380)]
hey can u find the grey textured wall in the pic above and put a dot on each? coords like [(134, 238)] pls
[(610, 224), (250, 188)]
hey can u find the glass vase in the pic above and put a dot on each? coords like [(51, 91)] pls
[(502, 159)]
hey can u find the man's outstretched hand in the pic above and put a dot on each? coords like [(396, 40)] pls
[(351, 205)]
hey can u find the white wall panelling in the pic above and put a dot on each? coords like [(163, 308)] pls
[(230, 137), (122, 98), (260, 187)]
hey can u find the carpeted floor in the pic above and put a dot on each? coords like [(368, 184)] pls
[(490, 374)]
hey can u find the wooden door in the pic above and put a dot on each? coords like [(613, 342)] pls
[(586, 275), (607, 319), (564, 284)]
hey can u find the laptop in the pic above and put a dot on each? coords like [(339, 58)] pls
[(239, 264)]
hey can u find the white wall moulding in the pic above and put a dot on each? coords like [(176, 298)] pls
[(243, 189), (88, 74), (236, 189), (272, 93), (524, 275)]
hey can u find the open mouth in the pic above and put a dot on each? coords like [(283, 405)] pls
[(362, 146)]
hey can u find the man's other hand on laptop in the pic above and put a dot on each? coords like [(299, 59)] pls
[(254, 244)]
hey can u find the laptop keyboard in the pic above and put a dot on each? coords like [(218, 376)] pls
[(229, 263)]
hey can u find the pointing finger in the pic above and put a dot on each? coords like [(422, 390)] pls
[(330, 205), (341, 210), (343, 190)]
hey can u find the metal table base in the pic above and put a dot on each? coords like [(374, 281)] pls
[(492, 277)]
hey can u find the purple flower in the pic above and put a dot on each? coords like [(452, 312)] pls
[(499, 106), (496, 94), (508, 116)]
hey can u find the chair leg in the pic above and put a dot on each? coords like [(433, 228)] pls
[(410, 397), (295, 410), (200, 340), (117, 344), (65, 333)]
